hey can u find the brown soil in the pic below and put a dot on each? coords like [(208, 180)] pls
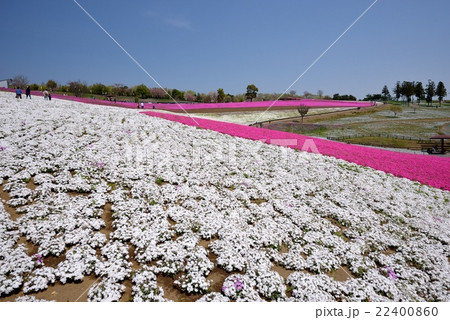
[(390, 251), (258, 201), (52, 261), (31, 185), (126, 297), (342, 274), (285, 273), (76, 194), (284, 248), (171, 222), (107, 217), (31, 247), (313, 118), (4, 197), (217, 277), (69, 292), (205, 243)]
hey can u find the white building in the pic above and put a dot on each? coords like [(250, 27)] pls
[(5, 83)]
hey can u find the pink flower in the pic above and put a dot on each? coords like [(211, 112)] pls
[(238, 285), (38, 259), (391, 273), (438, 219)]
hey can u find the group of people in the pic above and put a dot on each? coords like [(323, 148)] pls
[(19, 93), (45, 93), (141, 105), (48, 96)]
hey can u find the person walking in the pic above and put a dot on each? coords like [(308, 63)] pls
[(18, 93), (142, 105), (28, 92), (45, 94)]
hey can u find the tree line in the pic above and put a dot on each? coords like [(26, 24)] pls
[(408, 90), (81, 88)]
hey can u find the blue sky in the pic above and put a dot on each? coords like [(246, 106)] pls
[(204, 45)]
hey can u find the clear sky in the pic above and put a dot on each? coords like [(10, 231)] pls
[(204, 45)]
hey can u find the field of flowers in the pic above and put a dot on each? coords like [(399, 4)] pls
[(154, 210), (434, 171)]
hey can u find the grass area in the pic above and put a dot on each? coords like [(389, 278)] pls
[(352, 114), (385, 142), (416, 122), (299, 128)]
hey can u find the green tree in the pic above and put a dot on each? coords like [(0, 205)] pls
[(119, 89), (307, 94), (177, 94), (430, 91), (252, 91), (397, 90), (238, 98), (229, 98), (408, 90), (347, 97), (141, 91), (385, 94), (420, 92), (220, 95), (98, 88), (78, 88), (51, 85), (373, 97), (190, 96), (441, 92)]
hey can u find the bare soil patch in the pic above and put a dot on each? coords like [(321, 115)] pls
[(69, 292)]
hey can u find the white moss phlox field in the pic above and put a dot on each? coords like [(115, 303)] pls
[(173, 187)]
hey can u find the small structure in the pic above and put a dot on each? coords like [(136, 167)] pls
[(441, 137), (6, 83)]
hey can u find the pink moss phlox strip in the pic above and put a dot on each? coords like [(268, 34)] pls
[(312, 103), (430, 170)]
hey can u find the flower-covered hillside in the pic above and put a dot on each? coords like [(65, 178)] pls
[(151, 210)]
